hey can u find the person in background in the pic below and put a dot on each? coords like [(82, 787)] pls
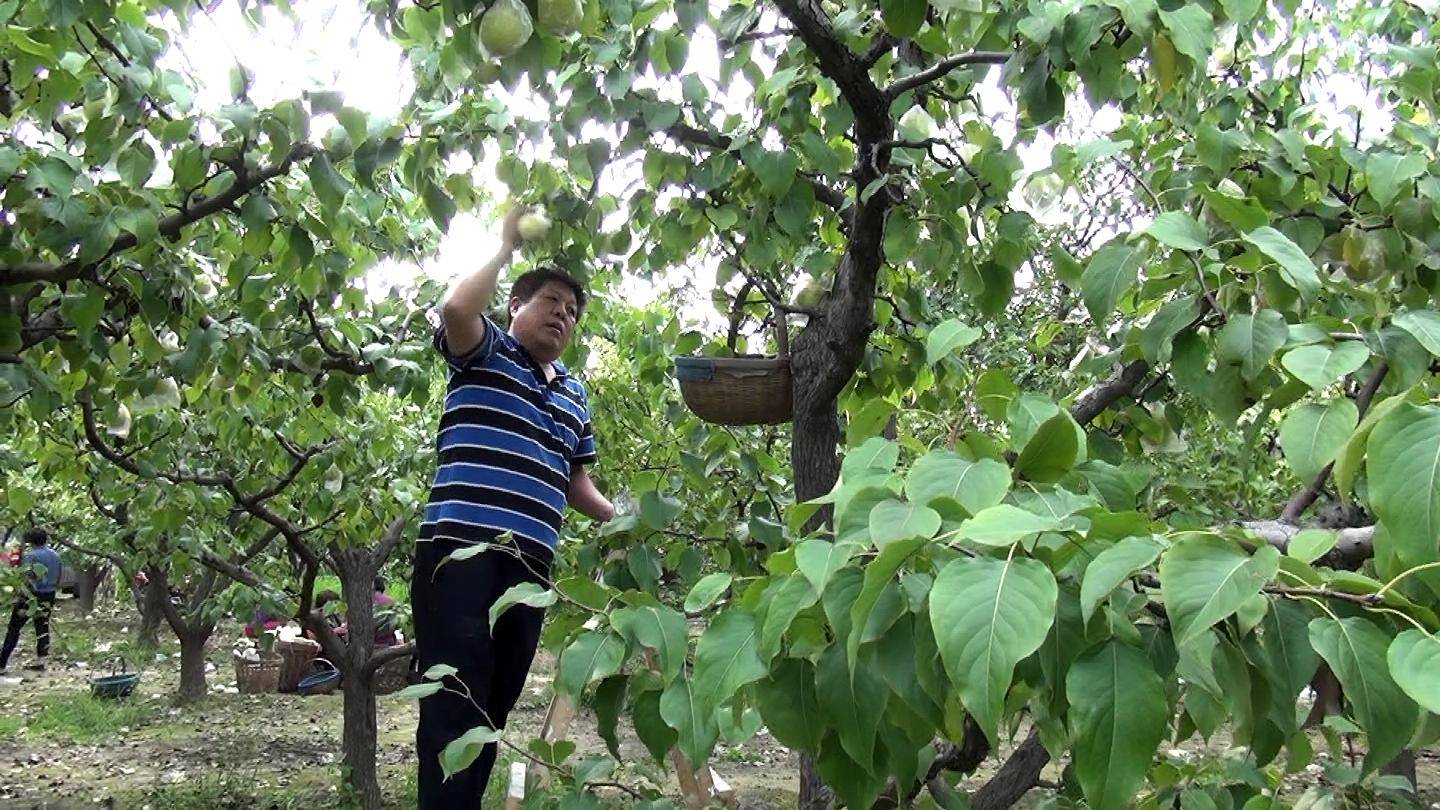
[(385, 624), (42, 575)]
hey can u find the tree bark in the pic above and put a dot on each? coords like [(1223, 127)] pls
[(359, 732), (358, 739), (150, 600), (1016, 777), (192, 664), (89, 581), (817, 466)]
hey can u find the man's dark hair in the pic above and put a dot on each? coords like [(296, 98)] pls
[(380, 584), (531, 282), (37, 536)]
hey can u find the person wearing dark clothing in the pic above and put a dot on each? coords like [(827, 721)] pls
[(514, 442), (42, 576)]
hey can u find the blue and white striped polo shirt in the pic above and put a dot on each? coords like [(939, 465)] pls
[(506, 444)]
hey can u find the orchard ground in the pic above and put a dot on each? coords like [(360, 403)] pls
[(59, 748)]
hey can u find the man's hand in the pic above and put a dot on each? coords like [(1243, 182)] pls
[(510, 229), (465, 304)]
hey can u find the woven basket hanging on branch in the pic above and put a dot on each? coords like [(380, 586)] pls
[(740, 390)]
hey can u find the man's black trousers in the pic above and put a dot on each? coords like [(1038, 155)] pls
[(451, 604), (43, 604)]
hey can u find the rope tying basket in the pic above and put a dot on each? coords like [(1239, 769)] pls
[(740, 390)]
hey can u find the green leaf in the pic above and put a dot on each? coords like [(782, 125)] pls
[(416, 691), (136, 164), (439, 205), (903, 17), (1113, 566), (1403, 465), (987, 616), (1204, 579), (1118, 715), (994, 392), (1240, 11), (775, 170), (1285, 642), (1311, 544), (658, 628), (790, 707), (1053, 451), (1138, 14), (1178, 229), (1296, 268), (1414, 659), (878, 574), (1312, 435), (1243, 212), (1004, 524), (1352, 455), (1169, 321), (592, 656), (658, 511), (947, 338), (695, 725), (1319, 365), (726, 658), (461, 752), (895, 520), (819, 559), (1424, 326), (1111, 271), (331, 188), (1356, 651), (852, 521), (782, 604), (1191, 30), (1387, 172), (651, 727), (523, 593), (976, 485), (1250, 340), (706, 591), (853, 702)]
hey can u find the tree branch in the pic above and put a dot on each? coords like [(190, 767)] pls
[(942, 68), (1016, 777), (114, 559), (1352, 548), (385, 655), (830, 197), (392, 537), (170, 227), (1098, 399), (843, 66)]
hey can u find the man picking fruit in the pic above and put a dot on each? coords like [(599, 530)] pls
[(514, 442)]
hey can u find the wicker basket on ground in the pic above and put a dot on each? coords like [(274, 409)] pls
[(257, 676), (740, 390), (296, 654)]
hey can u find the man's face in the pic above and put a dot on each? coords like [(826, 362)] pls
[(545, 323)]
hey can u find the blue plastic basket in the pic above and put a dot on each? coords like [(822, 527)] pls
[(114, 686)]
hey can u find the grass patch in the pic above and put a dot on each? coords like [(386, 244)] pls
[(83, 718), (9, 726), (397, 588), (233, 791)]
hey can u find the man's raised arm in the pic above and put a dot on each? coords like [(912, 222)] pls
[(464, 305)]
